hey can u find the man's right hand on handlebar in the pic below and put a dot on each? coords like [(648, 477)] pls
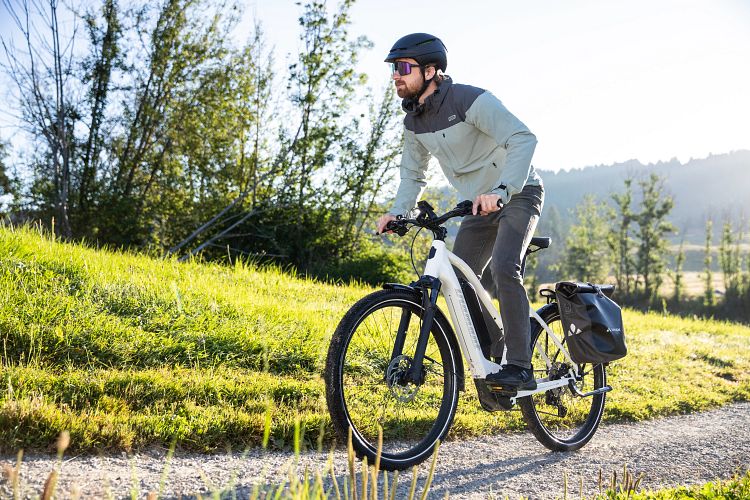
[(383, 221)]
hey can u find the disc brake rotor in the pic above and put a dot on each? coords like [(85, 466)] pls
[(395, 374)]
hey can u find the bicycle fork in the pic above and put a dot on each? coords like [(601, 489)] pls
[(430, 288)]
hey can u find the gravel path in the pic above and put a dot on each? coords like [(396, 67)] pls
[(684, 449)]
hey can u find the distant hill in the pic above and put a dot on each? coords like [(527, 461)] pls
[(717, 186)]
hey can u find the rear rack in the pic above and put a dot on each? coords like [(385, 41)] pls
[(548, 294)]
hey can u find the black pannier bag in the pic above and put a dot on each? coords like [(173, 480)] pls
[(592, 321)]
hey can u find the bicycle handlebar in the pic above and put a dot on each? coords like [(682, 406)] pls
[(427, 218)]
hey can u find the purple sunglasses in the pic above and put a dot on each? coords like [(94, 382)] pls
[(402, 67)]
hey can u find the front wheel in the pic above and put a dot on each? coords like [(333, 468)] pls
[(558, 418), (365, 387)]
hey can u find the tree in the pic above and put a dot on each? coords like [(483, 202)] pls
[(587, 257), (730, 262), (652, 228), (41, 72), (104, 35), (331, 162), (708, 295), (5, 181), (621, 243), (544, 268), (159, 132), (679, 276)]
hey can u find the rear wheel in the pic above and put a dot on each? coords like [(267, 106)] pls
[(365, 389), (558, 418)]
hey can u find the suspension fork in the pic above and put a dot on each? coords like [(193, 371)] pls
[(430, 287), (403, 326)]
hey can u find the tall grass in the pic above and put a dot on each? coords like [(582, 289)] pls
[(126, 351), (367, 483)]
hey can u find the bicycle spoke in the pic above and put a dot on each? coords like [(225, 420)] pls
[(560, 419)]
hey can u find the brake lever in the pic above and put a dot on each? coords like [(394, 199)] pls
[(397, 227)]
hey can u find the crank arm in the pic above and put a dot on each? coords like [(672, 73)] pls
[(542, 387), (580, 394)]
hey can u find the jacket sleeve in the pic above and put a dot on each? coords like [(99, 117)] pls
[(414, 160), (489, 115)]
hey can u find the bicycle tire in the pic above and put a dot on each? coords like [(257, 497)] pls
[(358, 393), (560, 420)]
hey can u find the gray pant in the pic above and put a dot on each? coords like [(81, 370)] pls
[(501, 238)]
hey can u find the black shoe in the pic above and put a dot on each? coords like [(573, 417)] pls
[(513, 377)]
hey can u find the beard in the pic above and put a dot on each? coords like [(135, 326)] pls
[(405, 91)]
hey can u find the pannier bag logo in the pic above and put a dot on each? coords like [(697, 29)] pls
[(574, 330)]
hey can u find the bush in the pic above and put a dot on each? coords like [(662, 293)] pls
[(375, 263)]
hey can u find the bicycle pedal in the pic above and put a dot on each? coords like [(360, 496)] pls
[(503, 390), (492, 401)]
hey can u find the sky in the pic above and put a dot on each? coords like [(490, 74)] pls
[(597, 81)]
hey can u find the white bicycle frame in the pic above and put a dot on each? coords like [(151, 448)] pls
[(441, 265)]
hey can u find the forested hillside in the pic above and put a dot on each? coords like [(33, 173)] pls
[(715, 187)]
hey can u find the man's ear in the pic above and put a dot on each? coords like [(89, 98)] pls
[(430, 72)]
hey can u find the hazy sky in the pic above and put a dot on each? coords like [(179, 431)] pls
[(598, 81)]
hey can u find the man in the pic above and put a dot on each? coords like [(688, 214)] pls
[(485, 153)]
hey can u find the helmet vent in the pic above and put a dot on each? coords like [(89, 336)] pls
[(426, 42)]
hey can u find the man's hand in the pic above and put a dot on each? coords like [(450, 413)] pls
[(486, 203), (382, 221)]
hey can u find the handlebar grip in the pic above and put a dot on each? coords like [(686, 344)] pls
[(465, 207), (397, 227)]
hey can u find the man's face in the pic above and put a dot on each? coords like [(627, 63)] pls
[(408, 85)]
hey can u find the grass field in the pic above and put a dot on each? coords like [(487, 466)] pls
[(127, 351)]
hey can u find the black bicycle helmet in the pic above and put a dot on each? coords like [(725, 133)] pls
[(424, 48)]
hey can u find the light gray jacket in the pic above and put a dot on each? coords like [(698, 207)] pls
[(482, 148)]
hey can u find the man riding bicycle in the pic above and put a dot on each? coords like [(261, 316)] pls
[(485, 153)]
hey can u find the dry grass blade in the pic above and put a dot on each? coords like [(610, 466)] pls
[(167, 465), (432, 470), (365, 475), (267, 425), (9, 473), (580, 487), (63, 441), (394, 486), (333, 477), (413, 488), (49, 486), (352, 473), (376, 469), (75, 492)]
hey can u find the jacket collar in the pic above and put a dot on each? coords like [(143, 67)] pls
[(433, 101)]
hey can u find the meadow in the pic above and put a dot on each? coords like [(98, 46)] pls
[(127, 351)]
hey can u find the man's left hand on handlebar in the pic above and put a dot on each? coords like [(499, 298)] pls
[(485, 204), (383, 221)]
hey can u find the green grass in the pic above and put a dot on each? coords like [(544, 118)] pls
[(737, 488), (127, 351)]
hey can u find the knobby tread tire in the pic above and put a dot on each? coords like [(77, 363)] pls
[(549, 314), (334, 379)]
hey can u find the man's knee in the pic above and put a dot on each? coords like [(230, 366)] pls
[(506, 273)]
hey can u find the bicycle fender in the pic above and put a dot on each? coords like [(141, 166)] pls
[(400, 286)]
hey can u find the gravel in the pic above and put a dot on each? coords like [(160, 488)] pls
[(679, 450)]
